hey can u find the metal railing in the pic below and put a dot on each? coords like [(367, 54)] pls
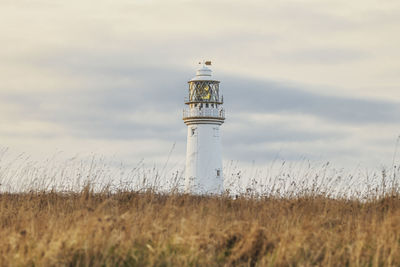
[(204, 112), (187, 99)]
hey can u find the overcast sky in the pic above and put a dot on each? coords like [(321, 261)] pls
[(315, 80)]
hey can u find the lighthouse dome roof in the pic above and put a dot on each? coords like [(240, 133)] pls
[(204, 73)]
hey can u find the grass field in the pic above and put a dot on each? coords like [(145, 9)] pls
[(149, 229)]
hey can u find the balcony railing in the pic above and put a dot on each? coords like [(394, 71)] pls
[(204, 112), (188, 100)]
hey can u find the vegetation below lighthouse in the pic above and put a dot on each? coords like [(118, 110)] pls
[(138, 229)]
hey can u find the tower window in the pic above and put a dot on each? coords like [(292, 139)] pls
[(218, 173), (216, 132), (206, 105), (193, 131)]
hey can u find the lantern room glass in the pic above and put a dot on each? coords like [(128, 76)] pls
[(204, 91)]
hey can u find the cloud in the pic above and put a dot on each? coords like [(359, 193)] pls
[(267, 96), (148, 102), (322, 56)]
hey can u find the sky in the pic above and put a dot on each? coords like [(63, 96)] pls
[(302, 80)]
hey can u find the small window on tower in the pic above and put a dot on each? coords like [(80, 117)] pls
[(193, 131), (216, 131), (206, 105), (218, 173)]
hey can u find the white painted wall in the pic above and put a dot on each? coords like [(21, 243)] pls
[(204, 158)]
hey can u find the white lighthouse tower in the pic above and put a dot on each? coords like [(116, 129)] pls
[(204, 115)]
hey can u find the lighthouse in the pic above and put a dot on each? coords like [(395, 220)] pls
[(203, 115)]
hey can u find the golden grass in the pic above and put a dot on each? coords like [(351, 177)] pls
[(148, 229)]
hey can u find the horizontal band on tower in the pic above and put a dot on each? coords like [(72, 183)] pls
[(203, 120)]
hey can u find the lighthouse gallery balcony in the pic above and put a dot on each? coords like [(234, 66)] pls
[(218, 113)]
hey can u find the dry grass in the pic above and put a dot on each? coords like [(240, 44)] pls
[(137, 229)]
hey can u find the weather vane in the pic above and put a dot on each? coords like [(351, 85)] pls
[(206, 62)]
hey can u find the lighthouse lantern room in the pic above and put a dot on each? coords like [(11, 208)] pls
[(203, 116)]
